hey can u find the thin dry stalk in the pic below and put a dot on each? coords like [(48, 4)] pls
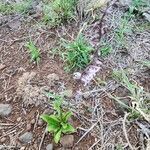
[(125, 131)]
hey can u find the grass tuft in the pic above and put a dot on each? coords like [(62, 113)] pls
[(34, 52), (19, 7), (77, 55), (58, 11), (105, 50)]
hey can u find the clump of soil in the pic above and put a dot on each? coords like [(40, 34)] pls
[(31, 94)]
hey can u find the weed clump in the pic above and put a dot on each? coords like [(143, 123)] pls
[(19, 7), (77, 55), (58, 11)]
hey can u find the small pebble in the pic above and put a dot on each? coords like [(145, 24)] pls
[(19, 119), (68, 93), (35, 146), (48, 111), (67, 141), (49, 147), (3, 140), (2, 66), (77, 75), (5, 110), (33, 121), (28, 127), (40, 122), (26, 137), (82, 111), (70, 120), (52, 77), (86, 95)]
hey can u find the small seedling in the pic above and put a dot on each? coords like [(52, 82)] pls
[(34, 52), (77, 55), (57, 123), (105, 50)]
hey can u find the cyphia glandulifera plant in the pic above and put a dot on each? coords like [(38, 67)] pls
[(58, 123)]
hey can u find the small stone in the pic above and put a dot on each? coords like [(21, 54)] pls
[(77, 75), (19, 119), (67, 141), (70, 120), (68, 93), (82, 111), (2, 66), (15, 25), (22, 148), (5, 110), (26, 137), (49, 147), (29, 127), (3, 140), (147, 15), (33, 121), (40, 122), (35, 146), (48, 111), (86, 95), (52, 77)]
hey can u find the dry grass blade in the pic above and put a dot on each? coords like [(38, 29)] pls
[(146, 116), (125, 131), (87, 132), (43, 136), (148, 144)]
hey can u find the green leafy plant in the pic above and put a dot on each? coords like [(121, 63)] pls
[(77, 55), (34, 52), (58, 11), (57, 123)]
